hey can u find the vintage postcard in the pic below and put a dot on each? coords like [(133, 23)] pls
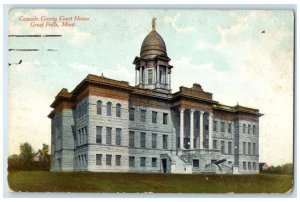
[(150, 101)]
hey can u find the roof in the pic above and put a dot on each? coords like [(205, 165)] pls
[(153, 45)]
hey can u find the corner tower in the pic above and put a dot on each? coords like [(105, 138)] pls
[(152, 69)]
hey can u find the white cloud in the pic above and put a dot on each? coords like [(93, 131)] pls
[(84, 69), (177, 27)]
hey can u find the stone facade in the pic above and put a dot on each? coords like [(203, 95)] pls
[(106, 125)]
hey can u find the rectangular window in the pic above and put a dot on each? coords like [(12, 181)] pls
[(254, 128), (215, 144), (165, 141), (249, 165), (222, 147), (150, 76), (244, 165), (249, 148), (154, 117), (254, 149), (143, 115), (222, 127), (108, 159), (99, 134), (244, 147), (196, 163), (229, 147), (108, 135), (154, 162), (118, 136), (154, 136), (244, 128), (229, 127), (249, 129), (254, 166), (98, 159), (215, 126), (131, 139), (131, 161), (143, 140), (143, 161), (118, 160), (165, 118), (131, 114)]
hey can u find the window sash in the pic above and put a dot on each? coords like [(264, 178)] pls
[(131, 114), (118, 110), (143, 115), (154, 137), (143, 140), (99, 134), (118, 160), (108, 159), (131, 139), (131, 161), (154, 162), (108, 135), (118, 136), (99, 107), (143, 161), (98, 159), (165, 141), (154, 117), (165, 118)]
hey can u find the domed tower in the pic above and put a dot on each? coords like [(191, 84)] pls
[(152, 69)]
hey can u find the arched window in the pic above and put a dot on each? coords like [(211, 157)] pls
[(108, 109), (118, 110), (99, 107)]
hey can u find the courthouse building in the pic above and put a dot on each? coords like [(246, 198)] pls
[(106, 125)]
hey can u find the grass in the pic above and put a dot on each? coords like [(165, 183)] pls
[(43, 181)]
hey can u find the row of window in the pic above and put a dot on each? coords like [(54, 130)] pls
[(143, 114), (229, 146), (82, 109), (81, 160), (143, 140), (251, 166), (82, 136), (251, 148), (249, 129), (131, 160), (108, 108), (108, 138), (222, 127), (161, 75)]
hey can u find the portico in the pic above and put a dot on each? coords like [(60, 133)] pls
[(191, 131)]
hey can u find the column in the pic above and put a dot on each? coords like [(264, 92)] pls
[(136, 79), (181, 127), (201, 130), (170, 79), (157, 73), (192, 129), (210, 127), (140, 80)]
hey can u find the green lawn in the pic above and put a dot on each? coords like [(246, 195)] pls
[(42, 181)]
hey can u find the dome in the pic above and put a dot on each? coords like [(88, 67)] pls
[(153, 45)]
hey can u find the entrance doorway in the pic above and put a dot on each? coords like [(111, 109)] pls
[(164, 165)]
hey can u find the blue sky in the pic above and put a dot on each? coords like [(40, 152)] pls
[(223, 50)]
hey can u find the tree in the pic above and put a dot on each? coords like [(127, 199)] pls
[(45, 153), (26, 156)]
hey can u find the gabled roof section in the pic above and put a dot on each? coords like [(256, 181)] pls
[(195, 92)]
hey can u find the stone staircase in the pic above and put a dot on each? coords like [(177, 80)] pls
[(179, 166)]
